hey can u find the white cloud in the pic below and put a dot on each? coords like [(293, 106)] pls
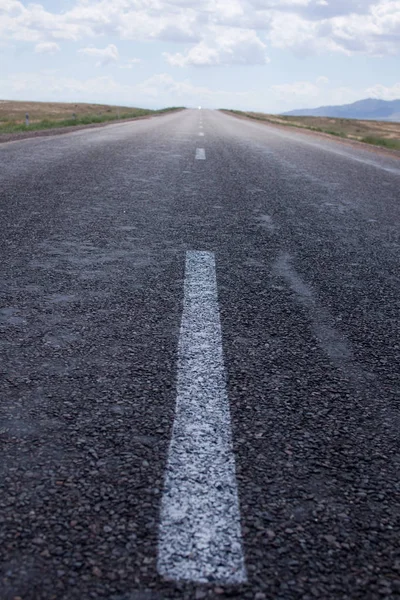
[(30, 86), (373, 29), (384, 92), (298, 89), (130, 63), (47, 48), (377, 32), (106, 55), (185, 93), (156, 91), (8, 6), (308, 26), (164, 83), (162, 90), (310, 94), (226, 46)]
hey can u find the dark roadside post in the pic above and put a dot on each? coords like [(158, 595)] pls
[(27, 119)]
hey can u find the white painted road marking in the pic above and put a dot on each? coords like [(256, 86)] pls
[(200, 154), (201, 134), (200, 535)]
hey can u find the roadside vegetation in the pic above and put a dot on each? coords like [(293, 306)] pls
[(378, 133), (49, 115)]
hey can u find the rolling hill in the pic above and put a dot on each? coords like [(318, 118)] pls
[(370, 109)]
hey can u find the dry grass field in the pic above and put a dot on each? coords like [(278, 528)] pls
[(47, 115), (380, 133)]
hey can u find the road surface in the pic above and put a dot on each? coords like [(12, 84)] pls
[(199, 364)]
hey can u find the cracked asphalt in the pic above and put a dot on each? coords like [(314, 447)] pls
[(305, 230)]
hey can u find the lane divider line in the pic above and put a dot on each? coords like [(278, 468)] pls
[(201, 134), (200, 154), (200, 536)]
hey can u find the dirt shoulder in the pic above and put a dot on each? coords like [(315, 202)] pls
[(23, 135), (309, 132)]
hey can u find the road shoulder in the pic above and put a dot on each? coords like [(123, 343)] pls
[(309, 132)]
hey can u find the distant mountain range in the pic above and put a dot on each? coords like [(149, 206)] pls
[(379, 110)]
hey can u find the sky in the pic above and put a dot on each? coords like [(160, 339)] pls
[(262, 55)]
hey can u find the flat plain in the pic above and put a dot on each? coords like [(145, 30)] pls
[(379, 133), (48, 115)]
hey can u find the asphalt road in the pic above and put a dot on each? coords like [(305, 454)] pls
[(295, 240)]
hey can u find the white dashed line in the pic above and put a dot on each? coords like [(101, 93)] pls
[(201, 134), (200, 154), (200, 536)]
